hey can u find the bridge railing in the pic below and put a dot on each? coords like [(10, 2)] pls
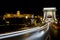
[(18, 33)]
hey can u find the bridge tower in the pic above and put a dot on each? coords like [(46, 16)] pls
[(49, 14)]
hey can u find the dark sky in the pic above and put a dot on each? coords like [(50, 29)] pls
[(29, 6)]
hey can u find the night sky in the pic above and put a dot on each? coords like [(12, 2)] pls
[(29, 6)]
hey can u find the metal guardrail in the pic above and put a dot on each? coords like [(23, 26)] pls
[(17, 33)]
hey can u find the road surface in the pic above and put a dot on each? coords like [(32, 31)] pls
[(29, 34)]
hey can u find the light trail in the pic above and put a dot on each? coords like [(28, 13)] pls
[(38, 35), (17, 33)]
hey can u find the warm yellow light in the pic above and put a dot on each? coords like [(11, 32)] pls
[(7, 21), (18, 13), (26, 17), (55, 19), (41, 18), (56, 22), (3, 18), (35, 16), (8, 15)]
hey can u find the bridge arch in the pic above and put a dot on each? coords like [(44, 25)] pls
[(49, 14)]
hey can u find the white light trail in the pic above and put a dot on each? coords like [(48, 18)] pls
[(17, 33), (11, 34), (38, 34)]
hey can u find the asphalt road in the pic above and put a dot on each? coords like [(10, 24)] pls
[(36, 35), (30, 36)]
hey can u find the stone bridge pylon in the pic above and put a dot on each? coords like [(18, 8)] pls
[(49, 15)]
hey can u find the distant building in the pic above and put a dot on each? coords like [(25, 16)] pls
[(8, 15)]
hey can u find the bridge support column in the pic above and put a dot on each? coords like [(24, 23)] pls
[(49, 14)]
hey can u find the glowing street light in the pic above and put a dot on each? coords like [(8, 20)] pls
[(26, 17)]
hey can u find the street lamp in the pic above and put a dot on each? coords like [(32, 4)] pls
[(26, 17)]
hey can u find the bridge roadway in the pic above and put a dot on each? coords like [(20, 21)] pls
[(37, 33)]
